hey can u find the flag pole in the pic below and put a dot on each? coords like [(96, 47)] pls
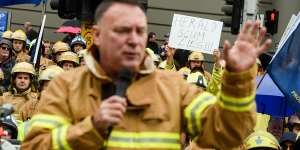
[(39, 40), (260, 81), (44, 6)]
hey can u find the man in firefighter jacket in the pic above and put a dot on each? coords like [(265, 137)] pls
[(80, 111)]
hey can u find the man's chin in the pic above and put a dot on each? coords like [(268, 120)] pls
[(134, 67)]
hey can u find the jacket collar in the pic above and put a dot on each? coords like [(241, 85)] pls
[(96, 69), (16, 93), (137, 100)]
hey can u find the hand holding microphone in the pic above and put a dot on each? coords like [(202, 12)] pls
[(112, 109)]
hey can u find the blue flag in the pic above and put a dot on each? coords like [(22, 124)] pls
[(15, 2), (3, 20), (285, 69)]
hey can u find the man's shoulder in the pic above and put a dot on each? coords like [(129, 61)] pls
[(73, 75), (7, 94), (169, 74)]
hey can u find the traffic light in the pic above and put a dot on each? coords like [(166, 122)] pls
[(81, 9), (271, 23), (233, 10), (67, 9)]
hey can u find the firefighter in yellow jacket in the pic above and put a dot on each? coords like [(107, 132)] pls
[(47, 75), (80, 110), (68, 60), (44, 78), (21, 94), (58, 48), (19, 46), (1, 82), (44, 61)]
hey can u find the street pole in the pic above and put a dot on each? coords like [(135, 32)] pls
[(250, 10)]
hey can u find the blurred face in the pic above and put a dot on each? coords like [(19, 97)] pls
[(78, 47), (18, 45), (22, 81), (47, 48), (296, 128), (82, 62), (195, 63), (276, 129), (4, 51), (121, 37), (288, 145), (27, 26), (153, 38), (68, 65), (57, 55)]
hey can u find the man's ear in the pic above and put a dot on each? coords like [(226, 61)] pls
[(96, 30)]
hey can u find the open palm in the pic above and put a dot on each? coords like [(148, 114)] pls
[(248, 46)]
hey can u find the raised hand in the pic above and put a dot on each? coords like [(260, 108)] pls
[(219, 62), (248, 46), (170, 54)]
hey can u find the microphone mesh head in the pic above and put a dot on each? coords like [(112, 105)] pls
[(126, 74)]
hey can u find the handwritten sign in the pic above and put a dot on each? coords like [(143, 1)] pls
[(196, 34)]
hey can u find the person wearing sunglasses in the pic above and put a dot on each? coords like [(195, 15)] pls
[(6, 61)]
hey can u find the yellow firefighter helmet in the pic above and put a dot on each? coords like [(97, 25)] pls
[(7, 34), (149, 51), (155, 58), (68, 56), (61, 47), (19, 35), (23, 67), (263, 139), (196, 56), (50, 72)]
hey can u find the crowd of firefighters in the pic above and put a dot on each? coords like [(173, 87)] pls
[(22, 83)]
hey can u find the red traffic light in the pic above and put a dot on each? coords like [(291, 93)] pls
[(273, 16)]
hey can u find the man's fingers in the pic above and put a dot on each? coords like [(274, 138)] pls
[(255, 27), (114, 113), (114, 106), (247, 26), (264, 47), (226, 47), (111, 120), (117, 99), (261, 35)]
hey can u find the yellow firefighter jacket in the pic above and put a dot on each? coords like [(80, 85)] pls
[(22, 57), (45, 62), (24, 103), (162, 106)]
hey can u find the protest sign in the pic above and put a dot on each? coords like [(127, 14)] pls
[(196, 34)]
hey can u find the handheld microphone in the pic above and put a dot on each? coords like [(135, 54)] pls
[(123, 82)]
